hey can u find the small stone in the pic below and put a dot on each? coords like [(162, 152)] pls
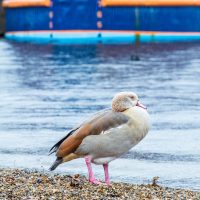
[(39, 180)]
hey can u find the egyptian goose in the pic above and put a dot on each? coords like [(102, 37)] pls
[(106, 136)]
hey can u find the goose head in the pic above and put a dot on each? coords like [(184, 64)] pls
[(125, 100)]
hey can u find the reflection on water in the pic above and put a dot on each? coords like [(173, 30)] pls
[(47, 89)]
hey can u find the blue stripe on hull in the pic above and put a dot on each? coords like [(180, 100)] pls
[(95, 38)]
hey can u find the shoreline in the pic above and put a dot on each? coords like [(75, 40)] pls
[(25, 184)]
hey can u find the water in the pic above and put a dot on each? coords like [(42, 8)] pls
[(47, 89)]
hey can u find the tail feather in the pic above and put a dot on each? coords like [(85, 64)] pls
[(57, 162), (56, 146), (52, 152)]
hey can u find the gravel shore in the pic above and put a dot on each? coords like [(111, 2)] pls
[(31, 185)]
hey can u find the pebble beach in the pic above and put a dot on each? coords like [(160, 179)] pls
[(33, 185)]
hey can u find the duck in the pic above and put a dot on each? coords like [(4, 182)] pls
[(105, 136)]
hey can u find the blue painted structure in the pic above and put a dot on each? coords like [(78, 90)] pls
[(76, 21)]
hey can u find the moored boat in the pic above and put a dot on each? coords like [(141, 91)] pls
[(104, 21)]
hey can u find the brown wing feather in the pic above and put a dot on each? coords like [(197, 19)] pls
[(72, 142), (100, 123)]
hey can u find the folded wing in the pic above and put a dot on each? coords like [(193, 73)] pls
[(98, 124)]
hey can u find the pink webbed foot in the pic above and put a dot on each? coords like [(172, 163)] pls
[(108, 183), (95, 182)]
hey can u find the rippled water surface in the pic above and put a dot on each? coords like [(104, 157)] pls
[(47, 89)]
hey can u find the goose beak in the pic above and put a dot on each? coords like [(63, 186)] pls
[(141, 105)]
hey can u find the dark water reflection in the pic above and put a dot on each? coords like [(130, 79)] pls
[(48, 89)]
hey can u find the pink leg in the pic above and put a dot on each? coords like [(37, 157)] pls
[(90, 172), (107, 179)]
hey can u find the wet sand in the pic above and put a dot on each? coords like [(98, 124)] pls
[(24, 184)]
